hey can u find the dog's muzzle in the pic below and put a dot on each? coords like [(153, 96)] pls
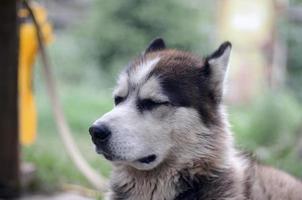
[(101, 134)]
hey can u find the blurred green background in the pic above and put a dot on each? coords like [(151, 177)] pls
[(101, 37)]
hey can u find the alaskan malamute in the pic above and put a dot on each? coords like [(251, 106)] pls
[(168, 137)]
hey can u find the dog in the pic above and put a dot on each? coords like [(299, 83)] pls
[(168, 137)]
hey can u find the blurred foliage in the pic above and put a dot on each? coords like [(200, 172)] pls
[(270, 120), (82, 105), (269, 127), (85, 95), (119, 30), (294, 42)]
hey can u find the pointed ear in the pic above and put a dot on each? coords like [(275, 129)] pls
[(156, 45), (216, 67)]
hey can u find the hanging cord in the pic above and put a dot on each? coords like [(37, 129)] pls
[(98, 181)]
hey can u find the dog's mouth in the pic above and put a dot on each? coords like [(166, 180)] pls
[(109, 156), (114, 158), (148, 159)]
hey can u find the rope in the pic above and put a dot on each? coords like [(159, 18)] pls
[(98, 181)]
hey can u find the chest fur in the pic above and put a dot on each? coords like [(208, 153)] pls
[(180, 186)]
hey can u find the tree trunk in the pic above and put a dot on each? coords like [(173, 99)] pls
[(9, 143)]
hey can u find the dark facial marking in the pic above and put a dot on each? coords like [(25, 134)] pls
[(149, 104), (183, 80), (186, 80), (118, 100)]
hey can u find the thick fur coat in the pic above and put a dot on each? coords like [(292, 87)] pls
[(168, 135)]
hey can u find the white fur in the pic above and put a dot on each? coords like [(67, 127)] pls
[(220, 68), (122, 86), (140, 72), (152, 90)]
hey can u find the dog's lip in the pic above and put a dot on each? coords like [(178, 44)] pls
[(108, 156), (147, 159), (144, 160)]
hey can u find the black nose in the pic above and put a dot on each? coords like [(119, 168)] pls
[(99, 133)]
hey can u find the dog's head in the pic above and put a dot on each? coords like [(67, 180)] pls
[(166, 102)]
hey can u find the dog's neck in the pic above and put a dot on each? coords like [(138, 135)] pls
[(129, 183), (166, 182)]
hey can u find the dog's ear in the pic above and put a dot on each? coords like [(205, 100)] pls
[(157, 44), (216, 66)]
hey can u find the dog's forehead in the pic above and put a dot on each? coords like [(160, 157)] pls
[(175, 62), (167, 63), (141, 70)]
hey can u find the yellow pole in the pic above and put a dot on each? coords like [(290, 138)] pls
[(28, 51)]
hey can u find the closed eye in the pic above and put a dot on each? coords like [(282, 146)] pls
[(149, 104), (118, 100)]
